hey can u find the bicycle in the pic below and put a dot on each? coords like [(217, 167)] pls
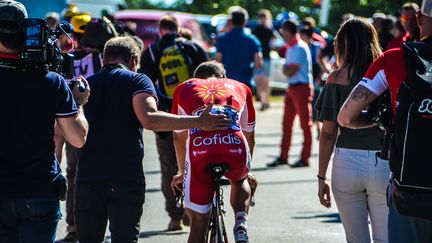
[(216, 228), (217, 232)]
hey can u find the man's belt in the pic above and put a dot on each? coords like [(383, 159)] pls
[(297, 84)]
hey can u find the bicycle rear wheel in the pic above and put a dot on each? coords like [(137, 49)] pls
[(221, 231), (217, 232)]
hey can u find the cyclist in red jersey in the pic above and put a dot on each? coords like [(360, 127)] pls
[(196, 149)]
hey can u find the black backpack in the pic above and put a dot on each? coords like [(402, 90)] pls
[(411, 144), (174, 65)]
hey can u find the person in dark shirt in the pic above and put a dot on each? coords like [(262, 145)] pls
[(34, 100), (265, 34), (168, 30), (110, 181)]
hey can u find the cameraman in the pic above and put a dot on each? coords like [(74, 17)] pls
[(30, 176)]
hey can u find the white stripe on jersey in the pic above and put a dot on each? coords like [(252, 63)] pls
[(377, 85)]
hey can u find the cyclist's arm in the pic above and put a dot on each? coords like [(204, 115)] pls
[(350, 115), (180, 139), (250, 138), (367, 90)]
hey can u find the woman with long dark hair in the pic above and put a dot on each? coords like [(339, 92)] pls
[(359, 177)]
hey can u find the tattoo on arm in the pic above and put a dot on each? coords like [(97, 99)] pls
[(359, 92)]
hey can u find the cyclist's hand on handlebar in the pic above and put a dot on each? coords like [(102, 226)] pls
[(210, 122), (324, 193), (253, 182), (176, 183), (81, 96)]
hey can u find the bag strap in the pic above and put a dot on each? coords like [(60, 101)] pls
[(152, 54), (181, 46)]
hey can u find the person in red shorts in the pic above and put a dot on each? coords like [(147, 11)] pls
[(196, 149)]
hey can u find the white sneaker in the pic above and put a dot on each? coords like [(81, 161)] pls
[(240, 236)]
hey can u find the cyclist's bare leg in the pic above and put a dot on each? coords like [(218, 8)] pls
[(240, 195), (240, 201), (198, 226)]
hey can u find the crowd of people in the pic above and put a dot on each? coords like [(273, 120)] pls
[(381, 65)]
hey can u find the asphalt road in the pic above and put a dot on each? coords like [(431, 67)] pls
[(287, 207)]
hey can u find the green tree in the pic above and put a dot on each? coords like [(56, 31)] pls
[(302, 8)]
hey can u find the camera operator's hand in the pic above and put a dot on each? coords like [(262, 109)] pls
[(79, 96)]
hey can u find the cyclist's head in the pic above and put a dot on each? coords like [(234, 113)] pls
[(210, 69), (122, 50), (168, 23), (12, 26), (356, 46), (239, 17)]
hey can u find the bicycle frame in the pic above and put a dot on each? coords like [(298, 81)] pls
[(217, 232)]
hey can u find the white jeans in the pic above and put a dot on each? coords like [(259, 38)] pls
[(359, 182)]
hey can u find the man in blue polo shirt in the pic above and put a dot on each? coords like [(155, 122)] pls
[(33, 100), (110, 181), (238, 51)]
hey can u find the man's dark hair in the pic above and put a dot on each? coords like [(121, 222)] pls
[(307, 30), (309, 21), (291, 26), (121, 48), (210, 69), (239, 17), (169, 22)]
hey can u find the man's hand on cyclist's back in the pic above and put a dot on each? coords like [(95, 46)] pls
[(211, 122)]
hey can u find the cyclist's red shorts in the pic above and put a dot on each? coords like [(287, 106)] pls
[(204, 148)]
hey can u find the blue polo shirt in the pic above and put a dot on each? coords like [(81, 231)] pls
[(114, 149), (299, 54), (238, 49), (31, 101)]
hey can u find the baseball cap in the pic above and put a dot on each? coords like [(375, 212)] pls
[(378, 16), (12, 17), (80, 22), (426, 8)]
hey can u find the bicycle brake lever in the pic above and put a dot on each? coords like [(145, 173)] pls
[(179, 201), (252, 201)]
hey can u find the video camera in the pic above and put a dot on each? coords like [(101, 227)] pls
[(40, 49)]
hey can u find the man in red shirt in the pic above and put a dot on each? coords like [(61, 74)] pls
[(389, 72), (195, 149)]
